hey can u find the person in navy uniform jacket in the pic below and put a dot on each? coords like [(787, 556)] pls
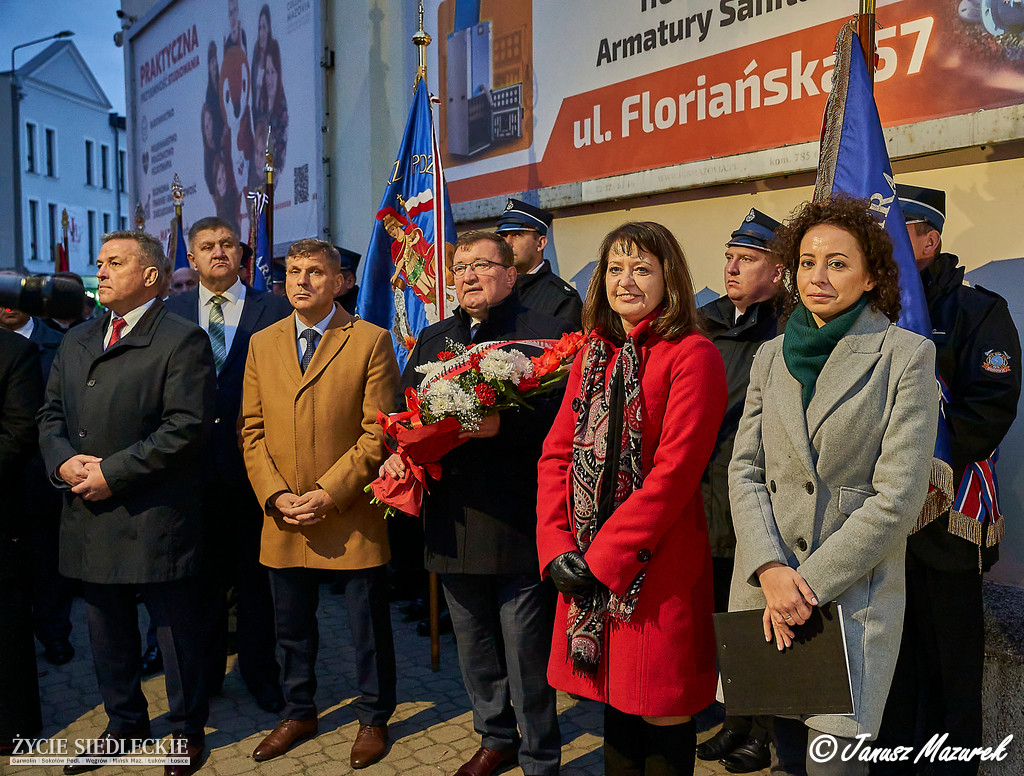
[(977, 357), (231, 312), (525, 228)]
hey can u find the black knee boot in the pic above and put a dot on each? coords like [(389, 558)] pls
[(623, 743), (669, 749)]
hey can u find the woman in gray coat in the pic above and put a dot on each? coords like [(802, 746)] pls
[(831, 463)]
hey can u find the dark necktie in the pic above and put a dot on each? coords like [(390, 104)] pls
[(473, 330), (115, 330), (216, 331), (310, 336)]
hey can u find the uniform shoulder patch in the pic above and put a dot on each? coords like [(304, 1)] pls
[(996, 361)]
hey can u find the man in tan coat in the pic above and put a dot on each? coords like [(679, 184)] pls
[(313, 384)]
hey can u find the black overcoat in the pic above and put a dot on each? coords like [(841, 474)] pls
[(481, 517), (144, 406)]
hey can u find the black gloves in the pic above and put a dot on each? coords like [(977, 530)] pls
[(571, 575)]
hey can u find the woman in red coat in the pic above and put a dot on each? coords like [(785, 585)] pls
[(642, 408)]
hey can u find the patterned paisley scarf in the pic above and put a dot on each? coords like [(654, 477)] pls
[(606, 468)]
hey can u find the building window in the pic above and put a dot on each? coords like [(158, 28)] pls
[(106, 223), (120, 172), (30, 147), (124, 223), (92, 236), (88, 163), (105, 165), (33, 230), (51, 153), (51, 217)]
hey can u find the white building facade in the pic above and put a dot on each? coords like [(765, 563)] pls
[(73, 159)]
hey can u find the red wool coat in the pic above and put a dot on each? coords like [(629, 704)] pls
[(661, 663)]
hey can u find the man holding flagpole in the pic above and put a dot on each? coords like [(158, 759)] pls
[(941, 660)]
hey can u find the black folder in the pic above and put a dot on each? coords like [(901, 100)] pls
[(810, 677)]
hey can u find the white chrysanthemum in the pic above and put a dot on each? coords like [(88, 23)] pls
[(445, 398), (505, 365), (430, 369)]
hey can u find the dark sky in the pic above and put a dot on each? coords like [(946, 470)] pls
[(94, 23)]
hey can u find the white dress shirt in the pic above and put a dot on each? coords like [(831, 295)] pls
[(300, 327), (131, 318), (234, 300)]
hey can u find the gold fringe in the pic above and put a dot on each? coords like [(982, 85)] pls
[(940, 494), (964, 527), (834, 108), (996, 532)]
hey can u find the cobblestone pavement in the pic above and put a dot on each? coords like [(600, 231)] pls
[(431, 732)]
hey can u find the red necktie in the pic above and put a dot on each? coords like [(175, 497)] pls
[(115, 330)]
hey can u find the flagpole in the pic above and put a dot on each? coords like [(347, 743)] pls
[(866, 33), (178, 195), (64, 224), (140, 218), (250, 206), (421, 40), (269, 170)]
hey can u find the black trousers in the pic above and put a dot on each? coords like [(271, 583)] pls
[(20, 714), (794, 752), (233, 521), (296, 594), (117, 652), (503, 624), (938, 679)]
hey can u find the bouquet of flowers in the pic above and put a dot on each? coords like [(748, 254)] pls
[(456, 393)]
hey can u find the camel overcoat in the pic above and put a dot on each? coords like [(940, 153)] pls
[(662, 662), (834, 491), (319, 429)]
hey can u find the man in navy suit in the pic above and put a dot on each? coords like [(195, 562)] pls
[(231, 312)]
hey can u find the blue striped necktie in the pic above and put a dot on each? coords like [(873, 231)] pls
[(216, 331)]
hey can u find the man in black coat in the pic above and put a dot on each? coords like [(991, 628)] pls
[(21, 393), (480, 526), (127, 410), (51, 593), (525, 228), (231, 312), (977, 355), (738, 323)]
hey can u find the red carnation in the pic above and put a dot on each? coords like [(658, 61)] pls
[(485, 394), (474, 361), (444, 355)]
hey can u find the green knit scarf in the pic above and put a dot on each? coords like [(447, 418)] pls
[(806, 347)]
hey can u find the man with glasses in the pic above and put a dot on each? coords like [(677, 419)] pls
[(525, 228), (480, 526), (977, 355)]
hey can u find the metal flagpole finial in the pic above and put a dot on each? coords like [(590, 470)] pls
[(177, 192), (270, 150), (140, 217), (422, 40), (65, 222)]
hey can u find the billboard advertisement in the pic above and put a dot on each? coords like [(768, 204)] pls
[(209, 81), (538, 94)]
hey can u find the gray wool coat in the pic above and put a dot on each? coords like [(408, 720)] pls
[(834, 491)]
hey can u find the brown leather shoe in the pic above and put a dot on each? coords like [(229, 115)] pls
[(194, 748), (487, 761), (282, 738), (369, 747)]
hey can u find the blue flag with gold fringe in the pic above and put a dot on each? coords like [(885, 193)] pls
[(854, 161)]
